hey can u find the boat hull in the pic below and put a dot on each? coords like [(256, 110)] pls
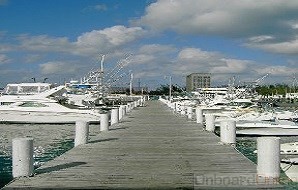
[(46, 117)]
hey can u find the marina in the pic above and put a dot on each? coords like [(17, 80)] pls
[(159, 94), (150, 148), (172, 142)]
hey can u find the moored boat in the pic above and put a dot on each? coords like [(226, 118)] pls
[(41, 107)]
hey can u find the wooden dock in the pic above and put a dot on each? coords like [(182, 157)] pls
[(151, 148)]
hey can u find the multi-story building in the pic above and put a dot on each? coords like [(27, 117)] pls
[(195, 81)]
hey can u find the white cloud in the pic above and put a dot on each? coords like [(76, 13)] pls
[(278, 70), (101, 7), (232, 66), (106, 40), (33, 58), (5, 48), (4, 59), (259, 39), (189, 60), (89, 43), (269, 25), (142, 59), (119, 35), (224, 17), (196, 60), (156, 49), (98, 7), (196, 55), (59, 67), (152, 54), (284, 47), (44, 43)]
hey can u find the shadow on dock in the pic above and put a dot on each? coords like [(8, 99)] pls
[(128, 121), (118, 128), (59, 167), (103, 140)]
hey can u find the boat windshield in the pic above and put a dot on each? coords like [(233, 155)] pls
[(26, 88)]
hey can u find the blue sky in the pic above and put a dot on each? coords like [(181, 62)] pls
[(63, 39)]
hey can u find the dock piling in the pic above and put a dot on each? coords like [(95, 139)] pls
[(199, 115), (114, 116), (128, 107), (121, 112), (210, 122), (189, 112), (82, 133), (268, 157), (22, 157), (228, 132), (182, 110), (124, 110), (104, 121), (175, 107)]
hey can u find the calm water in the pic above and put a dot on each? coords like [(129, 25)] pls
[(50, 141), (5, 170)]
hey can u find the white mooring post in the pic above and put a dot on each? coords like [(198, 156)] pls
[(128, 108), (172, 106), (114, 116), (137, 103), (228, 132), (141, 101), (82, 133), (210, 122), (124, 110), (121, 112), (189, 112), (104, 121), (182, 110), (268, 157), (175, 107), (22, 157), (132, 105), (199, 115)]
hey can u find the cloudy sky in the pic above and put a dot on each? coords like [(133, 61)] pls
[(64, 39)]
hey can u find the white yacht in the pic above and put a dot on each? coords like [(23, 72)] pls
[(40, 104)]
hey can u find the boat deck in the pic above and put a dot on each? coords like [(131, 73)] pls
[(151, 148)]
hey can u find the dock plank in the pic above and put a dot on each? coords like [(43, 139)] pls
[(151, 148)]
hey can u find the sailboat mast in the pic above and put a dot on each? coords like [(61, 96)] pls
[(101, 63), (130, 84), (100, 81)]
